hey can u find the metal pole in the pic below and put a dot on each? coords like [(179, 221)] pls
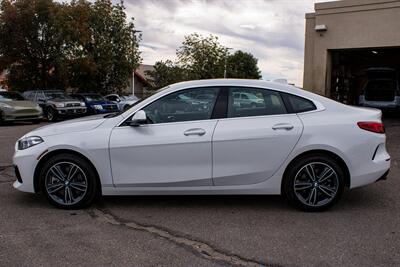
[(225, 68), (226, 56)]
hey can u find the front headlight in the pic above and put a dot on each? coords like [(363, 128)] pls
[(97, 106), (83, 104), (59, 105), (5, 106), (28, 142)]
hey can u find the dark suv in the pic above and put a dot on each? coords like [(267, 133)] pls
[(56, 104), (95, 103)]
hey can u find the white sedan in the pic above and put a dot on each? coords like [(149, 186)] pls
[(295, 143)]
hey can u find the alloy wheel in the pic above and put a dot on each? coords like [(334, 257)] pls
[(50, 115), (66, 183), (316, 184)]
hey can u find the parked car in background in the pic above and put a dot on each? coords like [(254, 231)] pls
[(95, 103), (56, 104), (299, 144), (241, 99), (14, 107), (123, 102), (382, 90)]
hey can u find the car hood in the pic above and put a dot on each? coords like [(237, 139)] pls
[(101, 102), (63, 100), (20, 103), (75, 125)]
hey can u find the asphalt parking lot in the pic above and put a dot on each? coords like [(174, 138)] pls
[(362, 230)]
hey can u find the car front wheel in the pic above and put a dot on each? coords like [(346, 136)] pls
[(68, 181), (51, 114), (314, 183)]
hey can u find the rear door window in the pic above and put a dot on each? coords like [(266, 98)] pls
[(249, 102), (380, 90)]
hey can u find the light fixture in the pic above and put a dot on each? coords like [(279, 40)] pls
[(374, 52), (321, 28)]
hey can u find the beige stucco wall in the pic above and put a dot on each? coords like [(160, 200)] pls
[(351, 24)]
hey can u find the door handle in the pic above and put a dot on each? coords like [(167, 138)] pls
[(196, 131), (282, 126)]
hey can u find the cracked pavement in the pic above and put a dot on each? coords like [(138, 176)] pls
[(362, 230)]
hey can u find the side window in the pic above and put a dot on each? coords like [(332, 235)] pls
[(299, 104), (185, 105), (254, 102)]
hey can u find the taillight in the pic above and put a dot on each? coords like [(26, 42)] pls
[(376, 127)]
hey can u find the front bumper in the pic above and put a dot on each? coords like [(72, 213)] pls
[(104, 110), (72, 111), (25, 162), (22, 115)]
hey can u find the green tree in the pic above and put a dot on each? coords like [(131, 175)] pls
[(166, 72), (242, 65), (113, 48), (30, 44), (202, 57), (80, 44)]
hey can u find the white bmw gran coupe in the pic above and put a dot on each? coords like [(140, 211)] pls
[(198, 138)]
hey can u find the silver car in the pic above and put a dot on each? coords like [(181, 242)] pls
[(123, 102)]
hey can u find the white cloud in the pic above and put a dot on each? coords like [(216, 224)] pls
[(272, 30)]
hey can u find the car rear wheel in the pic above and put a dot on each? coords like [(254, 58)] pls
[(51, 114), (68, 181), (314, 183)]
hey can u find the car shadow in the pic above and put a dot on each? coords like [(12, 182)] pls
[(357, 199)]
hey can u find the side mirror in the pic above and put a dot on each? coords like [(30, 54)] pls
[(138, 119)]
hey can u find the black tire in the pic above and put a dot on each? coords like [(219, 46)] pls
[(51, 114), (1, 118), (297, 172), (57, 199), (126, 107)]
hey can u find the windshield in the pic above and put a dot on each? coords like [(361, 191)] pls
[(93, 97), (11, 96), (59, 95), (131, 97)]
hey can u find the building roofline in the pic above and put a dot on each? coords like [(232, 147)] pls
[(351, 3)]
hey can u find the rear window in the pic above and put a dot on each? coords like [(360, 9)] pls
[(380, 90), (298, 104)]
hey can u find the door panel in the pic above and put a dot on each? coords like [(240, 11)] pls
[(170, 154), (250, 150)]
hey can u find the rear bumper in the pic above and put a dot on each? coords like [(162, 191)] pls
[(378, 170), (384, 176)]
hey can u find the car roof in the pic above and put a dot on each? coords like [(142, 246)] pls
[(238, 82)]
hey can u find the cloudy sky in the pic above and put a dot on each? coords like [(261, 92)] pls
[(272, 30)]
